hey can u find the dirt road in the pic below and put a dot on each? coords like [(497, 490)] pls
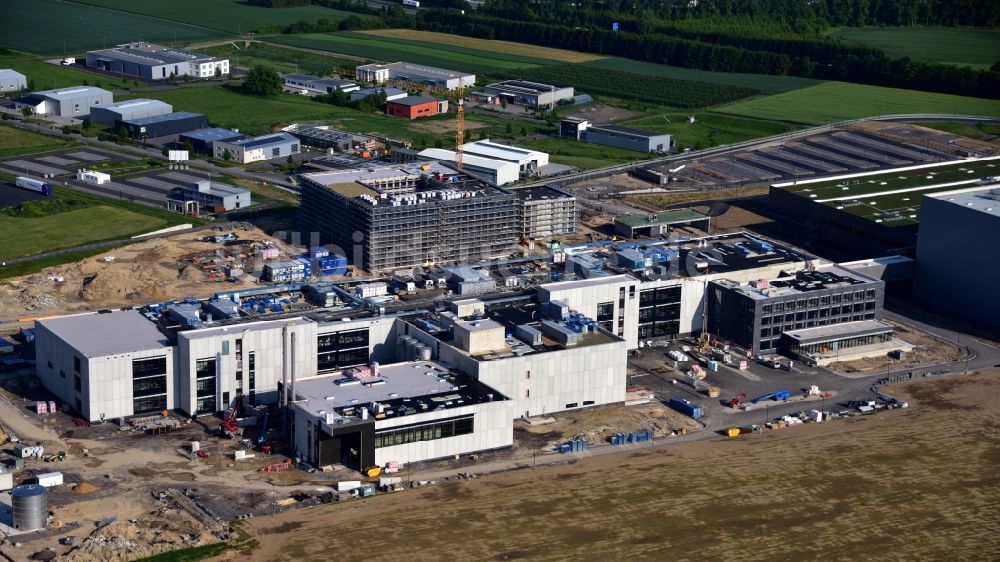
[(902, 485)]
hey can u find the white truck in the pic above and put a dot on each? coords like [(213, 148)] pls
[(411, 3), (68, 61)]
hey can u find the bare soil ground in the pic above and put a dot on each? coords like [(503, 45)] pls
[(443, 126), (599, 113), (139, 274), (915, 484)]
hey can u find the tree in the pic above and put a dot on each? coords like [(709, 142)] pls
[(290, 160), (227, 156), (509, 129), (218, 71), (87, 123), (524, 131), (262, 81), (31, 85), (5, 116), (26, 111), (503, 102), (438, 143), (166, 152)]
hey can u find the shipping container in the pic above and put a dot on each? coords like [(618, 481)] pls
[(685, 407), (30, 184)]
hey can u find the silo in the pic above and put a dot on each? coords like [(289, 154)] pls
[(30, 507)]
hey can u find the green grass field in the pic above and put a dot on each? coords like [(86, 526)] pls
[(282, 59), (836, 101), (974, 47), (709, 129), (14, 142), (227, 107), (57, 28), (389, 40), (231, 16), (583, 155), (379, 48), (763, 82), (29, 236), (963, 129), (47, 76)]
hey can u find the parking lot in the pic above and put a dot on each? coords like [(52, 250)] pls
[(59, 162)]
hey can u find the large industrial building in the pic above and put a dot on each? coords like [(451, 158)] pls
[(324, 137), (64, 102), (202, 140), (397, 217), (416, 73), (156, 62), (628, 138), (958, 264), (531, 94), (216, 197), (371, 380), (528, 161), (496, 172), (873, 213), (128, 110), (415, 107), (257, 149), (655, 225), (316, 85), (12, 81), (158, 126), (546, 212)]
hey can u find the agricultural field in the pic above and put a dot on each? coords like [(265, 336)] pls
[(226, 106), (230, 16), (46, 76), (978, 48), (979, 131), (914, 484), (830, 102), (56, 28), (766, 83), (657, 90), (583, 155), (380, 48), (488, 45), (282, 59), (708, 129), (14, 142)]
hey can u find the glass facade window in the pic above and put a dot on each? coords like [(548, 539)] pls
[(341, 350), (659, 312), (149, 386), (605, 311), (441, 429), (149, 367), (149, 404)]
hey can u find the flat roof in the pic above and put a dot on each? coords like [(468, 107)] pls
[(71, 93), (220, 189), (583, 283), (152, 54), (541, 192), (664, 217), (834, 332), (985, 199), (371, 91), (266, 140), (102, 334), (377, 173), (489, 149), (253, 326), (628, 131), (526, 87), (414, 100), (10, 71), (213, 134), (166, 117), (467, 159), (417, 70), (133, 104), (829, 276), (892, 196)]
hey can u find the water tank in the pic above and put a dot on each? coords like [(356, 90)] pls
[(425, 353), (30, 507)]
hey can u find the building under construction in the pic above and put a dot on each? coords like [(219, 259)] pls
[(544, 212), (398, 217)]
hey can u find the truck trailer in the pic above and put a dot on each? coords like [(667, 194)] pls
[(685, 407), (30, 184)]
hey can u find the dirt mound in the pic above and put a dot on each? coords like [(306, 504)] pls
[(84, 488), (123, 282), (126, 540), (191, 273)]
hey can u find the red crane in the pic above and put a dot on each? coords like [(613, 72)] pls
[(230, 426), (737, 401)]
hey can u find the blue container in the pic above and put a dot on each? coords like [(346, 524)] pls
[(565, 448), (685, 407)]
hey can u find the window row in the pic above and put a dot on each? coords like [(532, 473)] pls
[(833, 311), (811, 302), (149, 386), (149, 404), (663, 295), (341, 359), (425, 432), (342, 340), (149, 367)]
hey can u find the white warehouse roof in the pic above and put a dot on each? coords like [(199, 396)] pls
[(103, 334), (522, 156), (504, 172), (140, 104), (72, 93)]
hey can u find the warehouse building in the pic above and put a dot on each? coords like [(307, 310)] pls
[(128, 111), (64, 102), (12, 81), (655, 225), (414, 107), (496, 172), (257, 149), (408, 216), (546, 212), (324, 137), (416, 73), (528, 161), (954, 275), (313, 84), (873, 213), (156, 62), (574, 128), (531, 94), (628, 138), (390, 93), (163, 125), (202, 140), (217, 197)]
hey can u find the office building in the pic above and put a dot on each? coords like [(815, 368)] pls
[(546, 212), (257, 149), (531, 94), (628, 138), (315, 85), (414, 107), (496, 172), (202, 140), (163, 125), (217, 197)]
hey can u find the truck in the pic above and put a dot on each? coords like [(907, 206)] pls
[(782, 394), (685, 407), (411, 3), (68, 61), (30, 184)]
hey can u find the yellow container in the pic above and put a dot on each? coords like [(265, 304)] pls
[(733, 432), (373, 471)]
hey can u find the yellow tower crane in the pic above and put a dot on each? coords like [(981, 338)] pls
[(459, 123)]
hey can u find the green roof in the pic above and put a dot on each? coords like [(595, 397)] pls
[(664, 217), (893, 197)]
